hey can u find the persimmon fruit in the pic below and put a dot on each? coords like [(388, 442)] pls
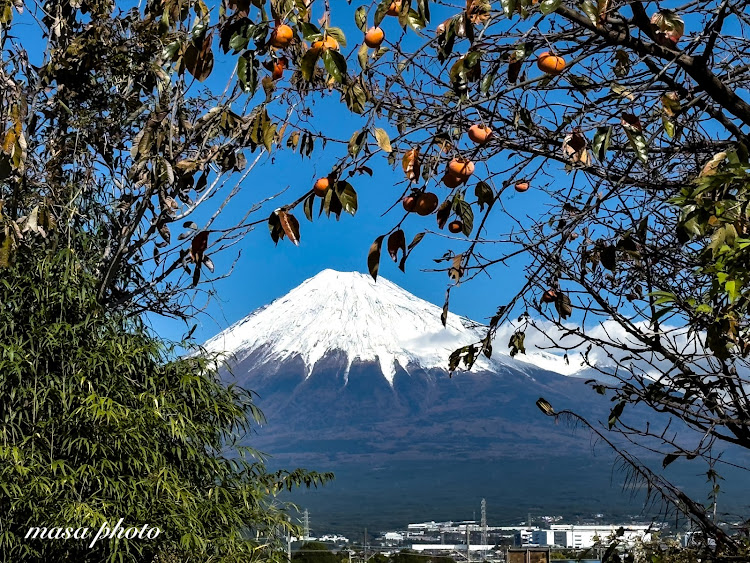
[(325, 44), (395, 8), (374, 37), (455, 226), (522, 186), (551, 64), (451, 180), (281, 36), (409, 203), (461, 168), (321, 187), (427, 203), (278, 68), (479, 133)]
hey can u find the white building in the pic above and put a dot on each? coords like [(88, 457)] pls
[(582, 537), (436, 547), (334, 538), (430, 526)]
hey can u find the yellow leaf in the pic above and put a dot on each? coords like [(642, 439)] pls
[(384, 141)]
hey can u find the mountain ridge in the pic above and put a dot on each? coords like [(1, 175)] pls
[(409, 332)]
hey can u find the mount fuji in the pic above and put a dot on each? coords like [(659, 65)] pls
[(346, 367), (352, 378)]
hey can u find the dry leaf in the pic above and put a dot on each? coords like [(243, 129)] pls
[(412, 165), (456, 270), (396, 242), (290, 225), (713, 165)]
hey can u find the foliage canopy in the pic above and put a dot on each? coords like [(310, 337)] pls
[(636, 267)]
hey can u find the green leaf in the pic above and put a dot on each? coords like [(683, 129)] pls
[(509, 7), (356, 142), (413, 20), (486, 83), (396, 242), (601, 143), (522, 51), (563, 305), (591, 10), (338, 34), (308, 207), (484, 194), (362, 56), (335, 64), (516, 343), (238, 42), (309, 31), (639, 144), (733, 290), (269, 133), (549, 6), (247, 71), (383, 140), (615, 414), (608, 257), (622, 66), (355, 97), (669, 127), (347, 196), (360, 18), (662, 297), (307, 65), (423, 8), (464, 211), (381, 11)]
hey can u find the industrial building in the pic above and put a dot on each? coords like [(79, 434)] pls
[(580, 537)]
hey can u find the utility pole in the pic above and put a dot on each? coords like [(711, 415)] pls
[(289, 541), (364, 547), (484, 522), (468, 544), (306, 524)]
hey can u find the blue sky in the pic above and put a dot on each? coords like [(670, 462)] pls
[(265, 271)]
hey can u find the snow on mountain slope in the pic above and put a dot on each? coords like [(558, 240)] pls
[(366, 320)]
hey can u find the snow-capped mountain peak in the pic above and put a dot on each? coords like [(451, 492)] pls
[(349, 312)]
